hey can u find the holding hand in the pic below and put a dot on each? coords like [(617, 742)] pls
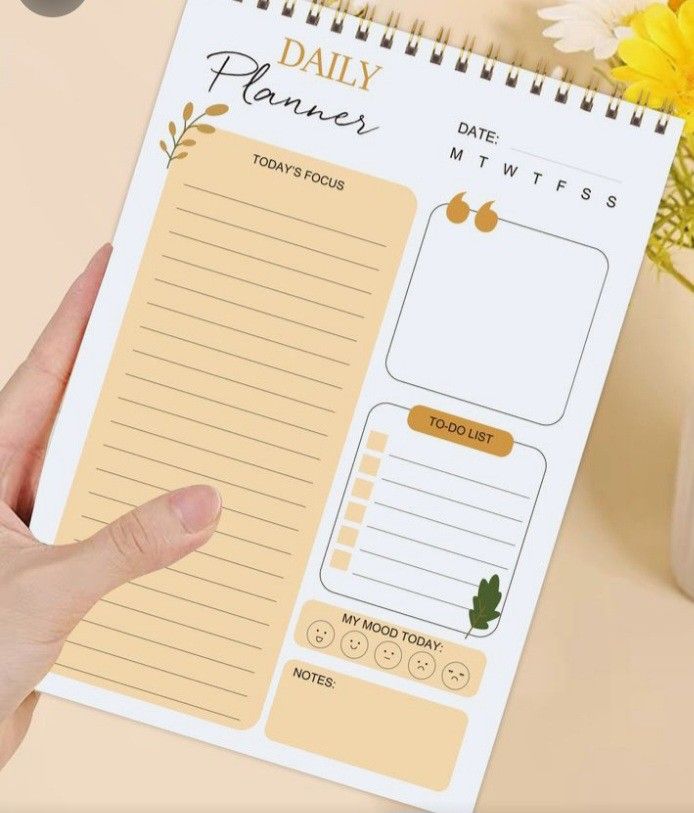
[(46, 590)]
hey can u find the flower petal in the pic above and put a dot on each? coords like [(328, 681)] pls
[(569, 11), (662, 28), (647, 58), (606, 48), (646, 92), (685, 20), (638, 26), (575, 36), (624, 73)]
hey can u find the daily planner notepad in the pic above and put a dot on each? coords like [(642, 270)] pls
[(367, 284)]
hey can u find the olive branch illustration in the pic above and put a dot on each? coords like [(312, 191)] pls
[(179, 143), (484, 605)]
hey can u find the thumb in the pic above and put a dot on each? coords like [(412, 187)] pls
[(150, 537)]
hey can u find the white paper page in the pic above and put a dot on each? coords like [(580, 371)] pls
[(391, 391)]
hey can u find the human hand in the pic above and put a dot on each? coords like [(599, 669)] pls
[(46, 590)]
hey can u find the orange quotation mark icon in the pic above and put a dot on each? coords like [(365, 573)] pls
[(458, 211)]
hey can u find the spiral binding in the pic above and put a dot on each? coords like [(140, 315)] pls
[(364, 18)]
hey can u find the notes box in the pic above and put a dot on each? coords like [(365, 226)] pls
[(498, 319)]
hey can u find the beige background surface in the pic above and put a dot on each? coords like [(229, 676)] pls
[(602, 712)]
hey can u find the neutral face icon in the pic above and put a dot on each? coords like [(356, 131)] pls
[(421, 665), (388, 655), (455, 676), (320, 634), (354, 644)]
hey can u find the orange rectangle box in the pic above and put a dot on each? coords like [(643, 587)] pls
[(340, 559), (348, 536), (369, 465), (377, 441), (362, 489), (367, 725), (355, 512)]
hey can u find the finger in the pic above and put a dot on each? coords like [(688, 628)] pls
[(13, 731), (151, 537), (30, 400)]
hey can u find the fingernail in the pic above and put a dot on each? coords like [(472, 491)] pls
[(197, 507)]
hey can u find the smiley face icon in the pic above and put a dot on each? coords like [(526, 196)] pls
[(455, 676), (320, 634), (388, 655), (354, 644), (421, 665)]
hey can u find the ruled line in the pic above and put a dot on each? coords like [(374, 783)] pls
[(265, 261), (435, 547), (450, 499), (212, 451), (169, 646), (146, 691), (237, 564), (222, 584), (155, 668), (416, 567), (211, 555), (217, 532), (284, 214), (181, 624), (270, 288), (298, 452), (413, 592), (200, 604), (242, 358), (459, 476), (248, 333), (224, 508), (224, 404), (204, 475), (256, 310), (447, 524), (274, 237), (233, 381)]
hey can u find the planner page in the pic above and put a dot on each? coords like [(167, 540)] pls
[(368, 285)]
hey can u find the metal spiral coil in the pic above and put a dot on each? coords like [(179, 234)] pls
[(364, 18)]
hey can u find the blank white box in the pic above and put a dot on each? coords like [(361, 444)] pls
[(498, 319)]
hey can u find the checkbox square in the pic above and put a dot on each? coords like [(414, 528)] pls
[(355, 512), (369, 465), (362, 489), (340, 559), (377, 441), (347, 536)]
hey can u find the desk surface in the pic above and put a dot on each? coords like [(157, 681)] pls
[(602, 714)]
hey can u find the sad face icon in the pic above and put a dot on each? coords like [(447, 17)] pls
[(320, 634), (455, 676), (421, 665)]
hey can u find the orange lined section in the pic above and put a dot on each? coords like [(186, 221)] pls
[(239, 363)]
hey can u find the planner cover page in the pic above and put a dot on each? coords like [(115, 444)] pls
[(368, 285)]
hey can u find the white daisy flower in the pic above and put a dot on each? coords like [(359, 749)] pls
[(591, 25)]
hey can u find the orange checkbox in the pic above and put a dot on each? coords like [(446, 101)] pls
[(348, 536), (362, 489), (340, 559), (377, 441), (355, 512), (369, 465)]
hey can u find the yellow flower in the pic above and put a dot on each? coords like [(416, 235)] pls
[(659, 60)]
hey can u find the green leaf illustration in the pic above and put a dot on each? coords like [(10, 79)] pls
[(484, 604)]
